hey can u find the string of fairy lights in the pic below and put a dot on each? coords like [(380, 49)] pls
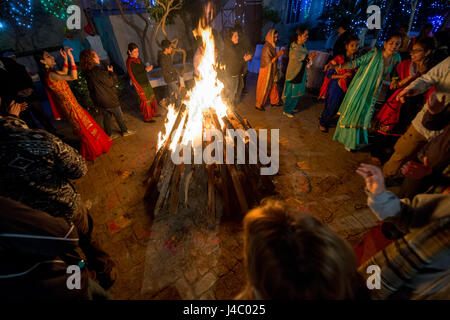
[(56, 8)]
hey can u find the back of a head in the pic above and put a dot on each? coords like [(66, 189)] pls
[(292, 255), (87, 61), (165, 44)]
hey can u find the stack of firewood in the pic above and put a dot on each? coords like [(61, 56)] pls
[(205, 191)]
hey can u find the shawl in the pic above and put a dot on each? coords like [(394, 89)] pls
[(297, 56)]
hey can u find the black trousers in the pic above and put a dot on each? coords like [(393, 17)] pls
[(118, 115)]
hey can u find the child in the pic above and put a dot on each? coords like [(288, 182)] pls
[(338, 83)]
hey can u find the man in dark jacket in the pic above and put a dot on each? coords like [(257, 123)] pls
[(234, 57), (169, 72), (40, 257), (102, 89), (15, 83)]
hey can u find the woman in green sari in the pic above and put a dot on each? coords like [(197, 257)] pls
[(358, 105), (295, 84)]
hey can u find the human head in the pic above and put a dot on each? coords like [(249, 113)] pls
[(69, 34), (351, 44), (272, 37), (235, 37), (302, 35), (45, 59), (403, 29), (166, 46), (291, 255), (133, 50), (392, 42), (422, 49), (88, 59)]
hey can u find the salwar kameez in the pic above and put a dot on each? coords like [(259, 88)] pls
[(295, 85), (357, 108)]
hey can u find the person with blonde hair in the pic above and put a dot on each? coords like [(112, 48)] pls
[(267, 85), (291, 255)]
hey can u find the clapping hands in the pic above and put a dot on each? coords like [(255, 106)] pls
[(373, 177)]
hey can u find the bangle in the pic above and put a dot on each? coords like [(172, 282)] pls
[(66, 65), (73, 67)]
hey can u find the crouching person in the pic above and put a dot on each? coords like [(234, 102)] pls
[(40, 257), (291, 255), (416, 264), (102, 89)]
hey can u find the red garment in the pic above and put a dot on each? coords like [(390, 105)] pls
[(389, 115), (148, 105), (94, 141), (343, 83)]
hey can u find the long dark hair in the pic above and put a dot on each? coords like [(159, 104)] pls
[(42, 71), (427, 44), (298, 32), (349, 38)]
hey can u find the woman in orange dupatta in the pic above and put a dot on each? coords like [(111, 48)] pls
[(138, 75), (93, 140), (266, 79)]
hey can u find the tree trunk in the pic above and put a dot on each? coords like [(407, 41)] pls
[(413, 11)]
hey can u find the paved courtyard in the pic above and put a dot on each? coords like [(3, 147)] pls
[(173, 258)]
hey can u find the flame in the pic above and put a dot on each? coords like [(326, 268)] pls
[(206, 94)]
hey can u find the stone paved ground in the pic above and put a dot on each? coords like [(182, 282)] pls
[(170, 258)]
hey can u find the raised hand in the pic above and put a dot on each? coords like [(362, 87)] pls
[(110, 68), (63, 53), (404, 93), (149, 68), (69, 52), (373, 177), (312, 55), (247, 57)]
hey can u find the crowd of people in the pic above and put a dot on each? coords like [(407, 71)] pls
[(392, 101)]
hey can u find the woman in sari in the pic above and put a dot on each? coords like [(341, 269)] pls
[(138, 75), (357, 107), (267, 85), (93, 140), (338, 83), (295, 84)]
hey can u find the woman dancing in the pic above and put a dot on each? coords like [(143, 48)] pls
[(93, 140)]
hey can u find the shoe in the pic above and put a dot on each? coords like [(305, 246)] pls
[(128, 133), (114, 136), (260, 109), (150, 121), (348, 149), (296, 111), (279, 104), (157, 115), (323, 129), (100, 262), (288, 115)]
